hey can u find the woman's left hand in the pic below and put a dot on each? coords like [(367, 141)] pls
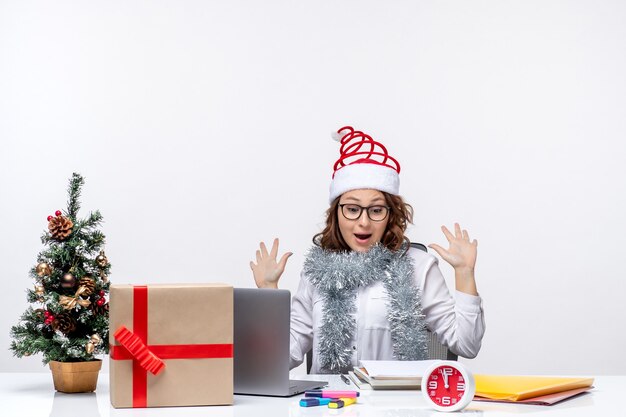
[(462, 253), (462, 256)]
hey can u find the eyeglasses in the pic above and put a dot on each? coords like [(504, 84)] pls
[(354, 211)]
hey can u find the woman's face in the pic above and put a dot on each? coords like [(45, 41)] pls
[(362, 233)]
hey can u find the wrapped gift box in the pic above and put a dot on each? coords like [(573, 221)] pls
[(171, 345)]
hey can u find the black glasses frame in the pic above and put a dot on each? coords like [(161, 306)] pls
[(367, 210)]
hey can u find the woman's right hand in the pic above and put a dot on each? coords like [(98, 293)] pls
[(266, 270)]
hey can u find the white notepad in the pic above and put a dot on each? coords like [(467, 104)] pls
[(396, 369)]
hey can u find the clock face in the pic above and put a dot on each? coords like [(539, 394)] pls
[(448, 386)]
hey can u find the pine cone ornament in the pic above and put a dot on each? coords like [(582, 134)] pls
[(60, 227), (100, 310), (88, 283), (64, 322)]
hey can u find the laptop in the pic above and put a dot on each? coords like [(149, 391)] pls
[(261, 344)]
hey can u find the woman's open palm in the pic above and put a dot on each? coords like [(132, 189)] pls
[(267, 270), (462, 252)]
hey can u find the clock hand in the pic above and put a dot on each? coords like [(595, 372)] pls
[(445, 379)]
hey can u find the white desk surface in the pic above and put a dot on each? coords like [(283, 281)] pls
[(32, 394)]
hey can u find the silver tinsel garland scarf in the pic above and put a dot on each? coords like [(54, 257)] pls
[(338, 276)]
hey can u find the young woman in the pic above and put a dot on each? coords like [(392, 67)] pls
[(364, 293)]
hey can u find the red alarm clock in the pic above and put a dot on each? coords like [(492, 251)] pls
[(448, 386)]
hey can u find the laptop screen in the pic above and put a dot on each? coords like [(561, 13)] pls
[(261, 341)]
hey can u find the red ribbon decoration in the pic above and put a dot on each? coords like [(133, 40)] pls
[(150, 357)]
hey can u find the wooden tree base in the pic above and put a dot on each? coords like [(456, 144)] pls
[(75, 376)]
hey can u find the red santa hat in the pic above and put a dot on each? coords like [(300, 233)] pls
[(363, 164)]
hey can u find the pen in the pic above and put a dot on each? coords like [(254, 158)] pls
[(331, 394), (345, 379), (341, 402)]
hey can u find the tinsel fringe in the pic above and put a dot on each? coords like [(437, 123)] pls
[(338, 276)]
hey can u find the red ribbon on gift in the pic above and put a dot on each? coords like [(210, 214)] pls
[(134, 345)]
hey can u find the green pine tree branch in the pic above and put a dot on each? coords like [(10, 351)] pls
[(74, 190)]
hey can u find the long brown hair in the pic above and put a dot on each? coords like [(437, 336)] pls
[(400, 215)]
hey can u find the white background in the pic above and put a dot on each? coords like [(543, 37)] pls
[(202, 128)]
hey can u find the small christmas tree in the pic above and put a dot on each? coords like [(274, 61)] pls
[(71, 323)]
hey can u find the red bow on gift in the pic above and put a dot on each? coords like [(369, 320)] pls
[(133, 344)]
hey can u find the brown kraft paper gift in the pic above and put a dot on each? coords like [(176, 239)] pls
[(184, 332)]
